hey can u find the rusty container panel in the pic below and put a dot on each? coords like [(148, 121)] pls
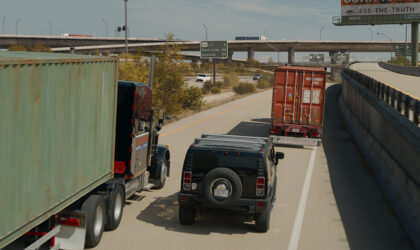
[(57, 133), (298, 101)]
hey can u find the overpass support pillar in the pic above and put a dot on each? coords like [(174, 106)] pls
[(251, 54), (230, 56), (291, 55), (414, 44), (332, 56)]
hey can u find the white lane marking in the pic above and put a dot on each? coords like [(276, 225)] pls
[(297, 227)]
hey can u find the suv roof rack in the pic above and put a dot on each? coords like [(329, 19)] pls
[(236, 137), (232, 142)]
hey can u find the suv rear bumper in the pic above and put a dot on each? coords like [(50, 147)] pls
[(244, 206)]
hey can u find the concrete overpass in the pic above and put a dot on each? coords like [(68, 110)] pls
[(290, 46), (7, 40)]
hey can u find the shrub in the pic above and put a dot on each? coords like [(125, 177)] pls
[(215, 90), (207, 87), (17, 48), (263, 84), (192, 98), (244, 88), (40, 48), (230, 80)]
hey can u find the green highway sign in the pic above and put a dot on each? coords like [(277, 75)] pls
[(400, 50), (214, 49), (316, 58), (341, 58)]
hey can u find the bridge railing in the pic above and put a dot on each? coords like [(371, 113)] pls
[(405, 104)]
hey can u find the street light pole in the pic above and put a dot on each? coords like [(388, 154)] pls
[(380, 33), (106, 26), (320, 33), (49, 23), (4, 19), (205, 29), (126, 32), (17, 25), (405, 49)]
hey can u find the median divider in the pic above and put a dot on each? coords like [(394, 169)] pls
[(391, 144)]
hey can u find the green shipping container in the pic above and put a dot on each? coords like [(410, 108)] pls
[(57, 134)]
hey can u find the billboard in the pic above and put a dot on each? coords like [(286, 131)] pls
[(372, 12), (379, 7)]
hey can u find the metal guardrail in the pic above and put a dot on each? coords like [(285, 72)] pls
[(403, 103)]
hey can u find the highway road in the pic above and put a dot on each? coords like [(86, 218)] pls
[(191, 81), (326, 197), (405, 83)]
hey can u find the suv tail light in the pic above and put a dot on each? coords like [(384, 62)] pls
[(187, 180), (260, 186)]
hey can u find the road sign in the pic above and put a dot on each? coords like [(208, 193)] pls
[(341, 58), (316, 58), (400, 50), (214, 49)]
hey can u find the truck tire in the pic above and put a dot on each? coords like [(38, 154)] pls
[(94, 206), (115, 209), (163, 172), (262, 220), (186, 215), (220, 177)]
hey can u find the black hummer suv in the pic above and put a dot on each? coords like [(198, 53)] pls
[(229, 173)]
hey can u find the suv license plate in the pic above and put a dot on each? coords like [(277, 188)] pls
[(221, 193)]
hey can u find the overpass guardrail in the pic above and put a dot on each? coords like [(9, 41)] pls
[(404, 103), (374, 114)]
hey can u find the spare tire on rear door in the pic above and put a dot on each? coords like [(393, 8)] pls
[(222, 187)]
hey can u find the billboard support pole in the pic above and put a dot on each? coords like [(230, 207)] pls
[(414, 44)]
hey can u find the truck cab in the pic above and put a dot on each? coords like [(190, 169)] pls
[(136, 149)]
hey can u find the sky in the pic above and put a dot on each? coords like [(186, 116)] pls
[(225, 19)]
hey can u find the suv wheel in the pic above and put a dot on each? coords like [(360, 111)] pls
[(186, 215), (262, 220), (222, 187)]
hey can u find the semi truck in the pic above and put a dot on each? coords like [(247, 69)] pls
[(298, 105), (75, 143)]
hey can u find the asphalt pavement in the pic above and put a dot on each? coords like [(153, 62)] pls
[(405, 83), (326, 196)]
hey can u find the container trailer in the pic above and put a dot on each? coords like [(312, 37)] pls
[(298, 105), (74, 145)]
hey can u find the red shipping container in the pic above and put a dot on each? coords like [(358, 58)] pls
[(298, 101)]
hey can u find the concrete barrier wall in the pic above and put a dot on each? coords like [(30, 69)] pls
[(405, 70), (391, 145)]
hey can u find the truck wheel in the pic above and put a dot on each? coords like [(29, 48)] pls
[(222, 187), (162, 175), (94, 206), (116, 206), (186, 215), (262, 220)]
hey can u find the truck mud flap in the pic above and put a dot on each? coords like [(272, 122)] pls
[(295, 141)]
